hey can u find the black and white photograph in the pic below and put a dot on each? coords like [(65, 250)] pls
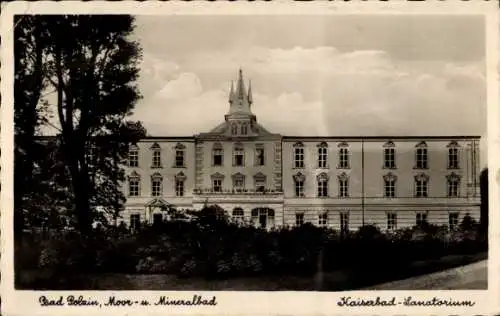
[(239, 152)]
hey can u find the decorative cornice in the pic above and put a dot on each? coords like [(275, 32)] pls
[(299, 177), (421, 176), (217, 175), (390, 177), (322, 176), (180, 176)]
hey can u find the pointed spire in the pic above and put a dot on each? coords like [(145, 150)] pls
[(231, 93), (250, 98), (240, 87)]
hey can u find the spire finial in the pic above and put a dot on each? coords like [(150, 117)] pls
[(231, 92), (240, 86), (250, 98)]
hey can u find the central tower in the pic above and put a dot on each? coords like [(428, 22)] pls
[(240, 117)]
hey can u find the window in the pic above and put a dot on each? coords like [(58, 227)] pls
[(239, 156), (234, 129), (244, 129), (323, 219), (179, 158), (156, 187), (453, 220), (453, 185), (453, 156), (133, 158), (263, 217), (259, 156), (179, 187), (299, 219), (217, 179), (421, 219), (389, 156), (299, 155), (238, 182), (135, 222), (343, 185), (392, 221), (322, 185), (218, 155), (390, 185), (217, 185), (421, 181), (322, 155), (421, 156), (343, 156), (260, 182), (344, 222), (299, 180), (156, 159), (134, 188), (238, 214)]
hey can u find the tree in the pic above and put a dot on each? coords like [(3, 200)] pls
[(29, 110), (93, 71), (91, 64), (483, 182)]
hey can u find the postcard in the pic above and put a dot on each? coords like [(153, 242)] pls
[(250, 158)]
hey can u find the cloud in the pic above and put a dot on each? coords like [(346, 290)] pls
[(185, 86), (321, 91)]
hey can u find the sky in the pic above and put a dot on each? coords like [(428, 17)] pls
[(316, 75)]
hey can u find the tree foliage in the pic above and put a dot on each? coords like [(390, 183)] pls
[(90, 63)]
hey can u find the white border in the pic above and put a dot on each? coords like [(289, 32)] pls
[(251, 303)]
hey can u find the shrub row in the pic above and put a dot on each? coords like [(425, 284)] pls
[(216, 248)]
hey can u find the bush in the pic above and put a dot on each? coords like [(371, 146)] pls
[(213, 247)]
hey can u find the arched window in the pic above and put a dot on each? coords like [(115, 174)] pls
[(156, 160), (217, 155), (421, 183), (238, 155), (343, 155), (299, 180), (343, 185), (453, 156), (389, 155), (133, 156), (421, 158), (156, 184), (134, 187), (322, 185), (234, 129), (453, 185), (322, 155), (390, 185), (298, 155)]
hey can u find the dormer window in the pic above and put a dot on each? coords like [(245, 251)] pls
[(234, 129), (244, 129)]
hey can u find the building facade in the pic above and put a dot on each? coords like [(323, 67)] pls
[(274, 180)]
